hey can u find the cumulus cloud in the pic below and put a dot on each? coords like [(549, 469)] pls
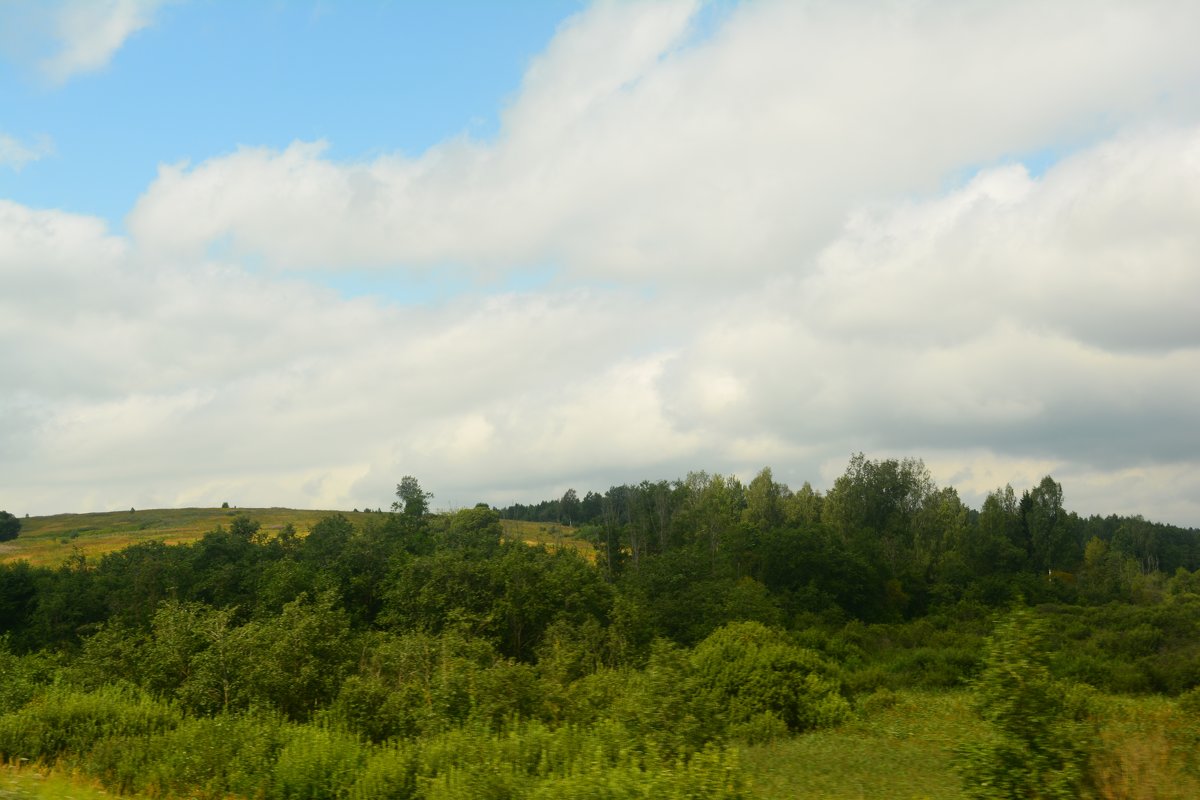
[(814, 236)]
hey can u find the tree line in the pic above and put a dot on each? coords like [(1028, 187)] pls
[(416, 654)]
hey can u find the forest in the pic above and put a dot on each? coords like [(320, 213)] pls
[(413, 654)]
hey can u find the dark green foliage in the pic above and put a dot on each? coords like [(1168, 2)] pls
[(10, 526), (18, 598)]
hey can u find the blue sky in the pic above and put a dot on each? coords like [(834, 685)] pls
[(285, 253), (206, 77)]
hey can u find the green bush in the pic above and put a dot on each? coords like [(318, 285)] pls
[(62, 721), (389, 773), (206, 757), (317, 763), (1042, 737), (751, 670), (22, 676)]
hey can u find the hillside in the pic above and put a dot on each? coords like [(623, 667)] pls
[(50, 540)]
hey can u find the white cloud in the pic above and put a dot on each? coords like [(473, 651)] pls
[(638, 153), (790, 274), (90, 32), (16, 154)]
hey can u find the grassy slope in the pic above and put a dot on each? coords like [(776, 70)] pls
[(49, 541), (905, 752), (899, 753), (550, 534)]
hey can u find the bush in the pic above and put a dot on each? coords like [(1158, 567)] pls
[(390, 773), (10, 526), (21, 677), (751, 670), (1042, 736), (317, 763), (65, 722)]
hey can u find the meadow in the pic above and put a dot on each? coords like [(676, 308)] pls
[(49, 541)]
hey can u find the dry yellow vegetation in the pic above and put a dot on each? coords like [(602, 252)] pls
[(51, 540)]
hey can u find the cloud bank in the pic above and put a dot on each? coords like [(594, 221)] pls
[(804, 233)]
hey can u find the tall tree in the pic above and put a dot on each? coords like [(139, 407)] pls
[(411, 499), (1049, 530), (569, 507)]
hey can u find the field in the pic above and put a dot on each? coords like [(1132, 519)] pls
[(905, 752), (550, 534), (899, 753), (49, 541)]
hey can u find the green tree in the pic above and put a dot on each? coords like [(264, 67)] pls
[(411, 499), (10, 526), (569, 507), (1052, 546), (1042, 736), (477, 529), (993, 548), (764, 502)]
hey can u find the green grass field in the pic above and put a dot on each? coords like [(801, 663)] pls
[(905, 752), (51, 540), (898, 753)]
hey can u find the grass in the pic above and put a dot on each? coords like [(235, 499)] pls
[(39, 784), (899, 753), (550, 534), (905, 752), (1147, 744), (49, 541)]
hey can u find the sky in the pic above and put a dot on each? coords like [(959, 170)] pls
[(285, 253)]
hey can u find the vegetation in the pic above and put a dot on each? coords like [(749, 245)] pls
[(10, 526), (695, 638)]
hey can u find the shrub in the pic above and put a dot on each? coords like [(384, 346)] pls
[(214, 757), (317, 763), (1042, 737), (390, 773), (66, 722), (10, 526), (751, 670)]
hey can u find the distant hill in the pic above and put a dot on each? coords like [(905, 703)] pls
[(49, 541)]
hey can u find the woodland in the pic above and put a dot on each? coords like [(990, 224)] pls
[(413, 654)]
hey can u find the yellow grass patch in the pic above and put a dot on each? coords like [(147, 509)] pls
[(550, 534), (52, 540), (49, 541)]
